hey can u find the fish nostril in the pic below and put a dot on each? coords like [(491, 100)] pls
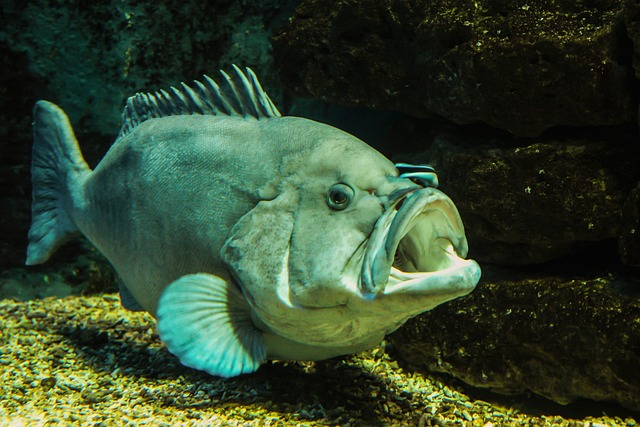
[(399, 205)]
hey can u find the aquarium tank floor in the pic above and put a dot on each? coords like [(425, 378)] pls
[(84, 360)]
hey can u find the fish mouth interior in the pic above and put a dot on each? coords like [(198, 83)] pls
[(419, 246), (420, 250)]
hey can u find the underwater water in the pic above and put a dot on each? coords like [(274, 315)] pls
[(529, 113)]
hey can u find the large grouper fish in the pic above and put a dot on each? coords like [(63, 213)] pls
[(248, 235)]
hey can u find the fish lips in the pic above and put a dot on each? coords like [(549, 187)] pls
[(418, 246)]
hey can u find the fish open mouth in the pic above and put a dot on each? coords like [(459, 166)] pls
[(418, 247)]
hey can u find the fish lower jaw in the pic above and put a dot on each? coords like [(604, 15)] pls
[(448, 274)]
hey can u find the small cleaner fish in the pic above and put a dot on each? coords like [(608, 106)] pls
[(249, 235)]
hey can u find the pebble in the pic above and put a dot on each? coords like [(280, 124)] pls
[(87, 361)]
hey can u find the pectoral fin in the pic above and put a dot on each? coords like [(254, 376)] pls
[(206, 322)]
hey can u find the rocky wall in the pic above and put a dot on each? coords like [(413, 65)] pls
[(88, 57), (557, 78), (529, 112)]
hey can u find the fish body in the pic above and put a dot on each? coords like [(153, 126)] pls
[(249, 235)]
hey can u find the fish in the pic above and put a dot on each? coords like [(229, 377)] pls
[(249, 235)]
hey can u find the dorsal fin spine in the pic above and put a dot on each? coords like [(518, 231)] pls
[(165, 99), (228, 110), (195, 99), (238, 94), (153, 107), (157, 104), (178, 100), (256, 89), (236, 103), (211, 109), (252, 100)]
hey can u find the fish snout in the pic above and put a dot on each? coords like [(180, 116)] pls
[(418, 238)]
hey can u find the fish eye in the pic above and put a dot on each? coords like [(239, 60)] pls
[(339, 196)]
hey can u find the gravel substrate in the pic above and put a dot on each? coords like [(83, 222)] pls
[(86, 361)]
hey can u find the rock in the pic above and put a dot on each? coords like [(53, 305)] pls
[(560, 338), (632, 22), (88, 361), (89, 57), (629, 242), (527, 201), (518, 66)]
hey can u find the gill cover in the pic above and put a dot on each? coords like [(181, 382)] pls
[(257, 253)]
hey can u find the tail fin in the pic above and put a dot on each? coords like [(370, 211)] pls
[(57, 171)]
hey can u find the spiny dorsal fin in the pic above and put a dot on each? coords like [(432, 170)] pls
[(238, 94)]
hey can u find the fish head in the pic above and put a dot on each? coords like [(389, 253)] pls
[(341, 188), (347, 237)]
